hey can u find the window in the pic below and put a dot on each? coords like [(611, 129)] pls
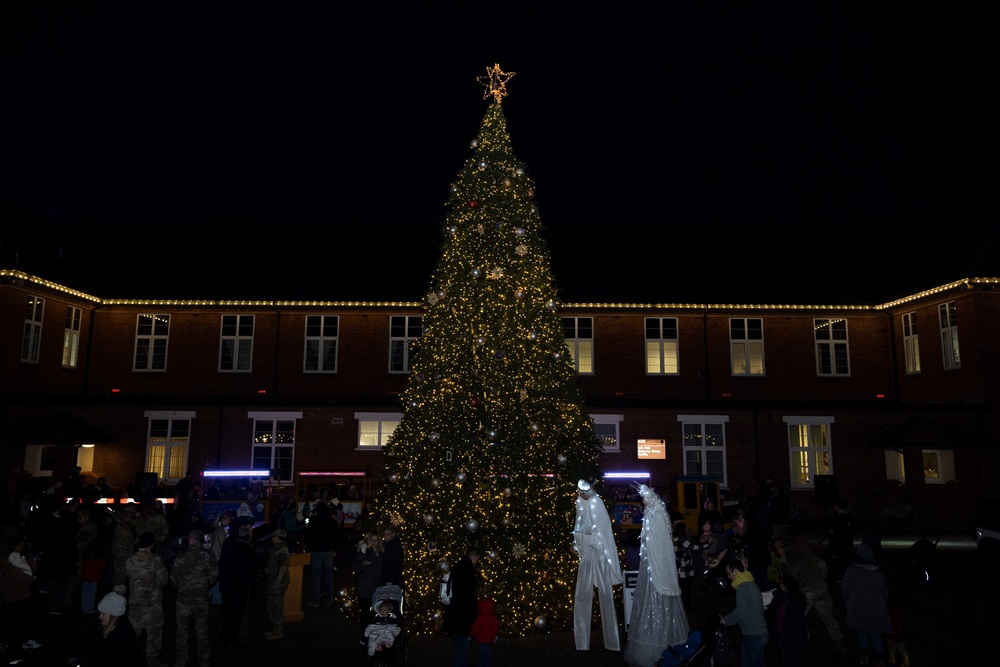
[(746, 344), (939, 466), (911, 343), (895, 467), (661, 346), (71, 337), (704, 445), (167, 444), (949, 335), (606, 428), (809, 449), (831, 347), (579, 333), (32, 340), (151, 335), (321, 344), (274, 442), (374, 428), (404, 340), (236, 345)]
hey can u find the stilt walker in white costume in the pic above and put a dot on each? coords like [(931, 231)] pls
[(599, 566), (658, 619)]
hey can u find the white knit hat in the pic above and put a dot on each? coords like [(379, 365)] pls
[(113, 604)]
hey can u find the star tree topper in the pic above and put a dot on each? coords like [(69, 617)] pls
[(495, 82)]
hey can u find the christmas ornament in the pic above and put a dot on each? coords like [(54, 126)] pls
[(394, 477), (533, 335), (433, 436), (413, 403), (506, 182), (506, 521), (472, 526), (534, 428), (428, 518), (508, 492), (521, 250), (519, 231), (346, 605), (436, 615), (531, 193), (550, 304), (473, 203), (518, 550), (452, 230), (474, 401), (454, 188), (499, 354), (342, 592), (519, 171), (441, 294), (482, 165), (435, 483), (556, 356), (541, 622), (519, 294), (492, 434), (492, 554), (473, 143), (461, 477), (561, 459), (476, 273), (480, 341)]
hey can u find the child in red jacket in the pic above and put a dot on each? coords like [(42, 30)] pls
[(485, 630)]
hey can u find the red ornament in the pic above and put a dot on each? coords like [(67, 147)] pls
[(473, 203), (474, 401)]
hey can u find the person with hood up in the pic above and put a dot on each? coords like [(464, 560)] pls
[(485, 630), (866, 603), (599, 567)]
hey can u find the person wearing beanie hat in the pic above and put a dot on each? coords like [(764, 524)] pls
[(866, 603), (116, 644), (277, 583), (192, 575), (147, 576)]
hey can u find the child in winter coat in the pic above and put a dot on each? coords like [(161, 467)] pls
[(485, 630), (684, 550)]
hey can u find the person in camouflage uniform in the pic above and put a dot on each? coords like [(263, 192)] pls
[(192, 575), (152, 520), (147, 575), (122, 543), (277, 583)]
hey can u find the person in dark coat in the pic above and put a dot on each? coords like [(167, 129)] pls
[(367, 566), (237, 567), (460, 614), (866, 602), (116, 645), (322, 540), (841, 537), (392, 557), (58, 547), (790, 620)]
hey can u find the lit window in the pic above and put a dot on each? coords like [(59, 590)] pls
[(607, 430), (236, 344), (831, 347), (911, 343), (895, 467), (579, 333), (167, 444), (746, 344), (374, 428), (151, 335), (321, 344), (32, 340), (948, 314), (809, 449), (273, 445), (939, 466), (704, 445), (661, 346), (404, 341), (71, 337)]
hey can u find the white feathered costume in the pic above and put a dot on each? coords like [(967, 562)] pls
[(658, 619), (599, 566)]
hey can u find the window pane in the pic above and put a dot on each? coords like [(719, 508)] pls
[(178, 460)]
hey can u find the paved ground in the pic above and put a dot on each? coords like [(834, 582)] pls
[(944, 621)]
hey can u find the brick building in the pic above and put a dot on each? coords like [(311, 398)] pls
[(876, 404)]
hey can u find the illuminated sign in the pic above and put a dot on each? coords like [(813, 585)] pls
[(651, 449)]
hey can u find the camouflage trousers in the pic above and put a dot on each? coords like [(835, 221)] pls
[(189, 612), (276, 606), (148, 617)]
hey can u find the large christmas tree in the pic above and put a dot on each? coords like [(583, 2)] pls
[(495, 433)]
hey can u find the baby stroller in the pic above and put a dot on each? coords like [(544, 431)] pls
[(386, 629)]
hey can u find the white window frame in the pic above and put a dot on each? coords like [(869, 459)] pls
[(375, 429), (945, 466), (609, 432), (238, 342), (403, 347), (31, 342), (322, 344), (152, 338), (701, 446), (659, 349), (277, 424), (579, 334), (802, 457), (911, 343), (746, 352), (71, 337), (176, 443), (826, 331), (948, 318)]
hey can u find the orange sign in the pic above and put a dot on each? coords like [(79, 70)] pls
[(652, 449)]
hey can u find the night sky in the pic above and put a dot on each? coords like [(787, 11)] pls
[(811, 153)]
